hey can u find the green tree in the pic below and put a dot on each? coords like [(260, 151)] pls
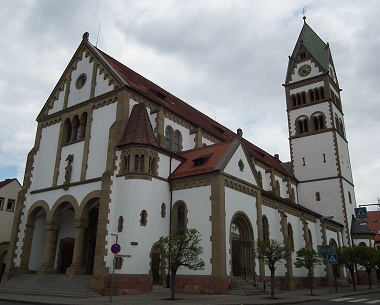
[(348, 259), (308, 258), (367, 258), (181, 249), (272, 253)]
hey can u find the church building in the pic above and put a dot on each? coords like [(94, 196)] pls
[(118, 159)]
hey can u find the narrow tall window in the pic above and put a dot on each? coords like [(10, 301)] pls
[(143, 218), (265, 228), (291, 236), (120, 224), (168, 137), (303, 126), (349, 198), (1, 202), (10, 205), (311, 93), (181, 218), (177, 141)]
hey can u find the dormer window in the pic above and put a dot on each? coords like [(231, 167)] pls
[(201, 160)]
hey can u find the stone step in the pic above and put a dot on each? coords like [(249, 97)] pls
[(51, 285)]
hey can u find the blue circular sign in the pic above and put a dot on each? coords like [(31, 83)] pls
[(115, 248)]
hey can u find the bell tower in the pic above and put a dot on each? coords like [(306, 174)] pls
[(318, 144)]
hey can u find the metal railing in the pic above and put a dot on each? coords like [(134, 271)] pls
[(249, 274)]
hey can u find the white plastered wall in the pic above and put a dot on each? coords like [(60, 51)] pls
[(103, 118), (58, 103), (187, 138), (44, 160), (102, 85), (78, 96), (129, 198)]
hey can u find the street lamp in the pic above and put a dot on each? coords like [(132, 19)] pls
[(323, 220)]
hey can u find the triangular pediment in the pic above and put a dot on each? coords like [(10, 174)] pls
[(87, 76)]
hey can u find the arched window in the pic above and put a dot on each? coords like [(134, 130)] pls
[(177, 141), (76, 127), (83, 124), (163, 210), (362, 244), (278, 189), (291, 236), (143, 218), (260, 178), (152, 165), (139, 163), (349, 197), (322, 92), (311, 94), (294, 100), (319, 122), (179, 217), (303, 94), (293, 195), (303, 125), (265, 228), (67, 131), (168, 137), (120, 224), (299, 101)]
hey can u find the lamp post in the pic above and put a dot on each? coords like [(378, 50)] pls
[(323, 221)]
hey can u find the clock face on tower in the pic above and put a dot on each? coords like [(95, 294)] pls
[(304, 70)]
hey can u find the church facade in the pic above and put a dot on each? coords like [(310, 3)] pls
[(117, 159)]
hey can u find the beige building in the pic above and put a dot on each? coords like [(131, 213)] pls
[(9, 189)]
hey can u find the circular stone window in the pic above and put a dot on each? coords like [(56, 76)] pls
[(81, 81)]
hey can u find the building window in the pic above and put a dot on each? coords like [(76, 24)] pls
[(143, 218), (278, 188), (179, 217), (303, 125), (81, 81), (318, 196), (120, 224), (265, 228), (241, 165), (349, 198), (310, 238), (291, 236), (163, 210), (10, 205), (319, 122), (260, 178), (177, 141), (1, 203), (152, 165), (139, 163), (168, 137), (127, 161)]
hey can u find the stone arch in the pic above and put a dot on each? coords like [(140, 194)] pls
[(179, 215), (157, 269), (60, 204), (34, 236), (241, 243)]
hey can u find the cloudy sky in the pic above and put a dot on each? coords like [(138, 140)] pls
[(227, 58)]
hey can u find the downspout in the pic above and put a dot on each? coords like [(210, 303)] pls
[(170, 222)]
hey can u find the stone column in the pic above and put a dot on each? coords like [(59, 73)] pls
[(47, 263), (77, 262)]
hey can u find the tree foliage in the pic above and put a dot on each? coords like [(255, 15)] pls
[(308, 258), (347, 258), (272, 253), (367, 257), (182, 249)]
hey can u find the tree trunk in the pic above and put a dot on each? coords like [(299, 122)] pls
[(172, 284), (369, 279), (272, 284), (311, 281), (352, 272)]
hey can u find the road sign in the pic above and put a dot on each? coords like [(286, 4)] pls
[(332, 259), (329, 249), (361, 212), (115, 248)]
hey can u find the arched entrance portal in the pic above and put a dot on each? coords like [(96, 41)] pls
[(155, 265), (241, 240)]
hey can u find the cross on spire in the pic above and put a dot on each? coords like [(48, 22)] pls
[(303, 12)]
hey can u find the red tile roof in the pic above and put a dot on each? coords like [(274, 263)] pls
[(165, 99), (212, 153), (139, 129), (5, 182)]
